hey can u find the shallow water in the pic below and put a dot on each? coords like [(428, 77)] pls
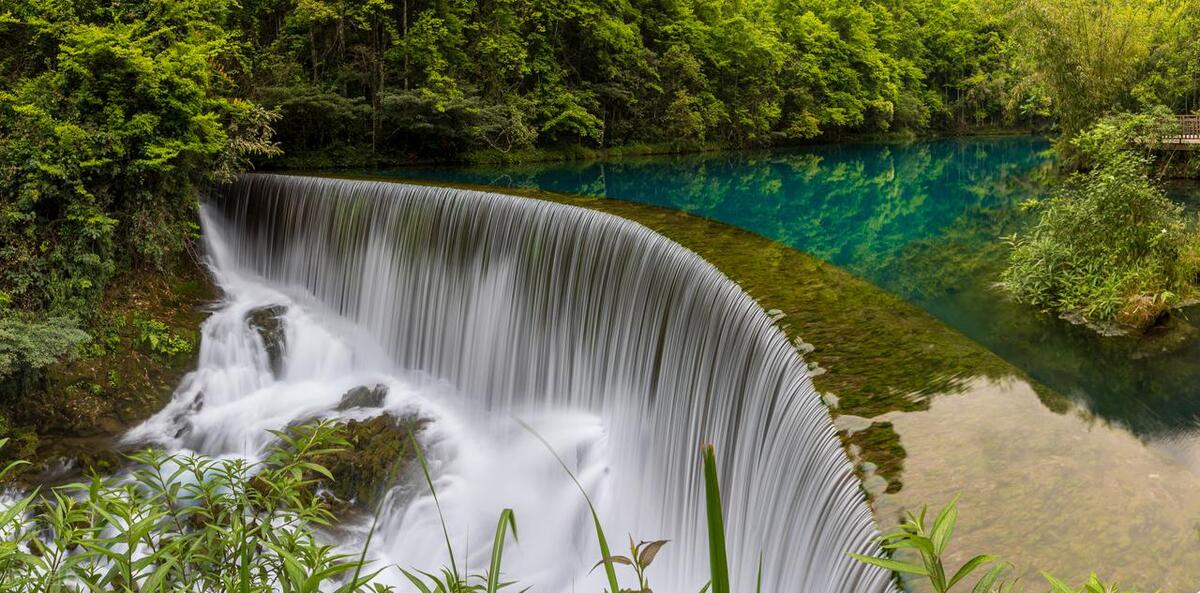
[(924, 221)]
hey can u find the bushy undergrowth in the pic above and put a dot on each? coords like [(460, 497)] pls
[(182, 523), (1109, 244)]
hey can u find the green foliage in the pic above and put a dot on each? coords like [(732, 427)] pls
[(640, 556), (369, 80), (717, 560), (182, 523), (1109, 245), (158, 339), (930, 543), (32, 345), (1080, 60), (111, 118)]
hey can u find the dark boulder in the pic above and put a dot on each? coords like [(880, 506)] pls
[(268, 322), (363, 397)]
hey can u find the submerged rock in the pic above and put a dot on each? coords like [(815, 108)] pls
[(363, 397), (268, 322), (804, 347), (851, 424)]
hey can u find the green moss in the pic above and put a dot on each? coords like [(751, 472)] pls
[(377, 450), (879, 444), (115, 381)]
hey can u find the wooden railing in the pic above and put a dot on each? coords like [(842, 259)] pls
[(1189, 127)]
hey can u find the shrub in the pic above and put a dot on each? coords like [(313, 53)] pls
[(157, 337), (111, 117), (182, 523), (1109, 244), (33, 345)]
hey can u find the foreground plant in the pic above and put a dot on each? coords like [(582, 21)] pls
[(930, 543), (184, 523), (449, 579)]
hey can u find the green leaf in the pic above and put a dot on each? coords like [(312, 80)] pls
[(968, 568), (892, 565), (943, 526), (985, 584), (507, 521), (718, 562)]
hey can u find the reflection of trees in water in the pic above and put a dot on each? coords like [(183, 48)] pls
[(923, 221)]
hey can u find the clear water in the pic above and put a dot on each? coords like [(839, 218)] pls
[(922, 220)]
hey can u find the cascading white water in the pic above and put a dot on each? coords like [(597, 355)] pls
[(624, 350)]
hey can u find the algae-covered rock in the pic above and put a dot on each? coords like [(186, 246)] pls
[(268, 322), (363, 397), (379, 450)]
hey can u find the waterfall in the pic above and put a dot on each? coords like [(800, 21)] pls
[(622, 349)]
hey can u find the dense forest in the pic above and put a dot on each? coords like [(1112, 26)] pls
[(113, 114), (355, 81)]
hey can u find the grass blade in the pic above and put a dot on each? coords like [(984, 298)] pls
[(717, 559), (394, 475), (507, 521), (609, 570), (436, 503)]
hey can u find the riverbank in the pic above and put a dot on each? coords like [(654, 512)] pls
[(570, 153), (144, 339)]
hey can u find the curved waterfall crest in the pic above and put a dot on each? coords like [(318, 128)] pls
[(525, 308)]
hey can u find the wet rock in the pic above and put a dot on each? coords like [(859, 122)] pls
[(1165, 338), (851, 424), (268, 322), (363, 397), (830, 400), (815, 369), (804, 347), (379, 451), (875, 486)]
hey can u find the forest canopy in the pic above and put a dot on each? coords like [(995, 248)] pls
[(113, 114)]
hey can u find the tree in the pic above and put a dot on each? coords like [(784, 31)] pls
[(110, 121)]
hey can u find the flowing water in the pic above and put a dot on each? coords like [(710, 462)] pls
[(1098, 472), (623, 350)]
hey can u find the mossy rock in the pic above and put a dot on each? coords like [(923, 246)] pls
[(268, 323), (378, 450), (363, 397), (879, 445)]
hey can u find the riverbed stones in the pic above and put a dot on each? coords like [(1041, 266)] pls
[(851, 424)]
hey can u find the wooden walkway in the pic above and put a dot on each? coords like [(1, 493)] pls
[(1189, 136)]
